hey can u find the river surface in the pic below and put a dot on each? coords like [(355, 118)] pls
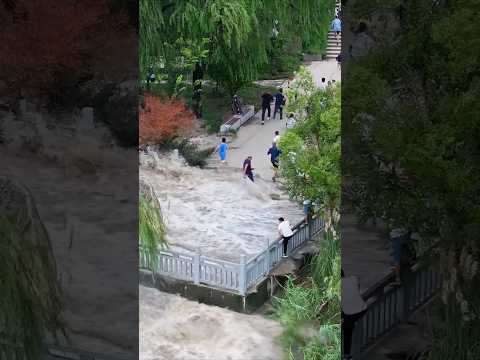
[(174, 328), (216, 211)]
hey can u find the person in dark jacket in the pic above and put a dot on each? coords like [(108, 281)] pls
[(247, 168), (279, 103), (274, 153), (266, 101)]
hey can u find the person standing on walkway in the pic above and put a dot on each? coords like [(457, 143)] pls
[(286, 233), (291, 121), (353, 308), (274, 153), (337, 27), (323, 85), (222, 150), (276, 137), (247, 168), (266, 105), (279, 103)]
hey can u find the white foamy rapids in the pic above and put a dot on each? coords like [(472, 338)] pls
[(216, 211), (174, 328)]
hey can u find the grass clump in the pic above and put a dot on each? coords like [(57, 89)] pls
[(310, 311), (152, 230)]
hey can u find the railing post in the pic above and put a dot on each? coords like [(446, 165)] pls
[(242, 275), (310, 226), (196, 268)]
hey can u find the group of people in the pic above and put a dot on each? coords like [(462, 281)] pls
[(280, 101)]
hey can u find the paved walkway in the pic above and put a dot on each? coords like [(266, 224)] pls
[(365, 248), (255, 139)]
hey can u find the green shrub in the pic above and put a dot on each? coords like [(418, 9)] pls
[(192, 155)]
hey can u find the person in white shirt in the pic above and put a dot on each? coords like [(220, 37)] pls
[(291, 121), (276, 138), (285, 232), (353, 308)]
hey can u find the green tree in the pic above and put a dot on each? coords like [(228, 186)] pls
[(310, 167), (411, 119), (310, 163), (239, 32)]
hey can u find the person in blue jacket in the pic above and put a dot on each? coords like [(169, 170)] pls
[(222, 150), (274, 153), (337, 27)]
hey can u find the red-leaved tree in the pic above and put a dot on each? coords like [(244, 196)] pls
[(162, 119), (45, 42)]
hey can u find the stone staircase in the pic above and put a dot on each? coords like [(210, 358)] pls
[(334, 46)]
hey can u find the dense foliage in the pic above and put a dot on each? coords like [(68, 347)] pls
[(411, 115), (239, 34), (310, 167), (46, 46), (310, 163)]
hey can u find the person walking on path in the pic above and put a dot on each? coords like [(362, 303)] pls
[(291, 122), (247, 168), (274, 153), (286, 233), (222, 150), (337, 27), (353, 307), (279, 103), (276, 137), (266, 105), (339, 60)]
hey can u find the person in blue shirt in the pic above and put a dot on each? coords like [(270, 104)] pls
[(337, 26), (274, 153), (222, 150), (279, 103)]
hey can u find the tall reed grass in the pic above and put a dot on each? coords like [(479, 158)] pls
[(310, 311)]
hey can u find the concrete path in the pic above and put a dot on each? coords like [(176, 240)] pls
[(255, 139)]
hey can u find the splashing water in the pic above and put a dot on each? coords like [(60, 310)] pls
[(216, 211)]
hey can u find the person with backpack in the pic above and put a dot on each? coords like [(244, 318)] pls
[(266, 105), (279, 103)]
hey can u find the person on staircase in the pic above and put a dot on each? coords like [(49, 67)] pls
[(337, 27)]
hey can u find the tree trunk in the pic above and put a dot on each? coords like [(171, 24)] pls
[(197, 79)]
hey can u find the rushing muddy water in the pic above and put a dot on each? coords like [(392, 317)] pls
[(173, 328), (216, 211)]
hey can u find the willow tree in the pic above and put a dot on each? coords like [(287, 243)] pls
[(239, 32), (30, 300)]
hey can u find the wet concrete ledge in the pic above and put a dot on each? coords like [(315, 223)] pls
[(255, 298)]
